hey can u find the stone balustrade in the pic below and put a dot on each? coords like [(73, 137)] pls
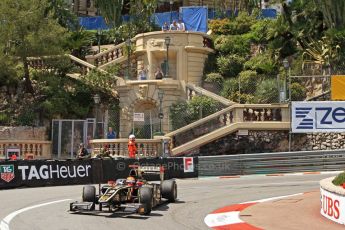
[(238, 113), (119, 148), (34, 148), (193, 90), (107, 56)]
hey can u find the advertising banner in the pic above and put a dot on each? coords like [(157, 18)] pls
[(42, 173), (318, 116), (337, 87), (36, 173), (332, 206)]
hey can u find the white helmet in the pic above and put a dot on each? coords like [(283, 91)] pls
[(131, 136)]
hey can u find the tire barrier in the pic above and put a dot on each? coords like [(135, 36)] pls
[(37, 173)]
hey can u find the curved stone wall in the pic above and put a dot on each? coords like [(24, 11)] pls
[(332, 201)]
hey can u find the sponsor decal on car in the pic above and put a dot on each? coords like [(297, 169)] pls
[(7, 172)]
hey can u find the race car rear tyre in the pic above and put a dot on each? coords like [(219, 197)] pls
[(146, 198), (169, 190), (89, 193)]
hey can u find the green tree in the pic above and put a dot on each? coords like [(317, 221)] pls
[(29, 32), (333, 13), (111, 11)]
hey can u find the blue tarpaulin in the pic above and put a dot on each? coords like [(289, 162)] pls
[(194, 18), (268, 13), (160, 18), (93, 23)]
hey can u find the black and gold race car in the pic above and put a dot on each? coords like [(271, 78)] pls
[(133, 194)]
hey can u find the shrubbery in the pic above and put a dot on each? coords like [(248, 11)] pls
[(183, 113), (230, 66), (340, 179), (232, 44)]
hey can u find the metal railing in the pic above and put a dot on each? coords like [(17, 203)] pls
[(272, 163)]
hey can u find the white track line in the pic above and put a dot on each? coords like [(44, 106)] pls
[(4, 224)]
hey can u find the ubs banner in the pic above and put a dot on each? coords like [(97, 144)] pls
[(41, 173), (318, 116)]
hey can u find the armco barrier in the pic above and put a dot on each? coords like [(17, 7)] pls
[(72, 172), (271, 163)]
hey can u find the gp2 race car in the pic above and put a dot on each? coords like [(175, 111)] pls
[(131, 195)]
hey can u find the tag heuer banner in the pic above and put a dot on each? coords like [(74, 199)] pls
[(318, 116), (7, 172)]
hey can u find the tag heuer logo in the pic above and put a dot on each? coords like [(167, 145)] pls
[(7, 172)]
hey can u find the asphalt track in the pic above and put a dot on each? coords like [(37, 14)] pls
[(47, 207)]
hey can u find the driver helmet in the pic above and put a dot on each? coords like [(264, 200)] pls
[(130, 181)]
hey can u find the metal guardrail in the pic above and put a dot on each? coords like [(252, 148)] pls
[(272, 163)]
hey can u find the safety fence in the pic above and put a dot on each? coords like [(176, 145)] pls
[(37, 173), (272, 163)]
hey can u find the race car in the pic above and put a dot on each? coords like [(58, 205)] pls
[(133, 194)]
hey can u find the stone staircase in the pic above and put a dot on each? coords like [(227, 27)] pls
[(229, 120)]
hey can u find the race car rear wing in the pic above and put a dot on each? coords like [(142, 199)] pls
[(149, 170)]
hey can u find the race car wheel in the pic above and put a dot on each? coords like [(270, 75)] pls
[(169, 190), (89, 193), (146, 198)]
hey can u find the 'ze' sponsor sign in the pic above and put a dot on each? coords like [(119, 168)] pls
[(323, 116)]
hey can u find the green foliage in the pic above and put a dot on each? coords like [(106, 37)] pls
[(65, 17), (104, 81), (79, 42), (214, 78), (235, 44), (27, 116), (4, 119), (267, 91), (298, 92), (183, 113), (230, 87), (210, 64), (111, 11), (231, 65), (29, 31), (249, 80), (60, 96), (258, 31), (262, 64), (240, 25), (339, 179), (333, 13), (9, 74)]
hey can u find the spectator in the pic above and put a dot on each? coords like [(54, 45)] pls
[(165, 27), (132, 147), (142, 74), (181, 26), (13, 157), (111, 134), (173, 26), (82, 152), (159, 74)]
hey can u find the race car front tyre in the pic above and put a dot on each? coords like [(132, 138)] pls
[(169, 190), (146, 198), (89, 193)]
